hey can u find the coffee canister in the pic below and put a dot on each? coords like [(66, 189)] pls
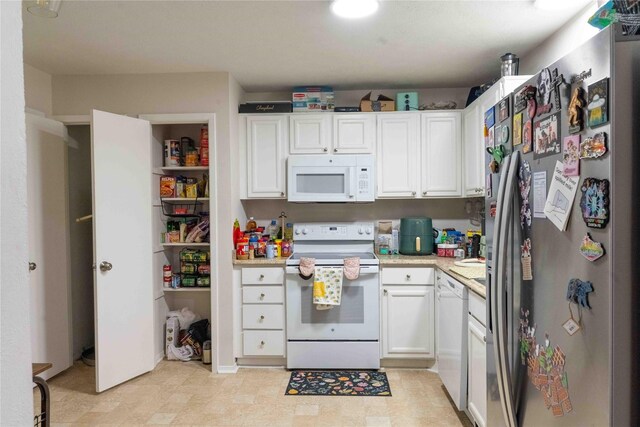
[(509, 66), (206, 352)]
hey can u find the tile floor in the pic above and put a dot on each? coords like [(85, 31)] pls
[(178, 393)]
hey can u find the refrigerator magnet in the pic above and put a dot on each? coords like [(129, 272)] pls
[(556, 82), (490, 141), (497, 135), (547, 136), (488, 182), (594, 147), (576, 115), (590, 249), (594, 202), (571, 325), (489, 118), (527, 138), (578, 292), (503, 110), (571, 155), (492, 208), (504, 134), (544, 87), (522, 96), (524, 179), (598, 103), (525, 215), (525, 259), (517, 129)]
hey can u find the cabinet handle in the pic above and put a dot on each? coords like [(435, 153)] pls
[(262, 343), (261, 317), (386, 292), (261, 276), (261, 296), (325, 149), (335, 150), (413, 193), (32, 266), (424, 193), (282, 194), (408, 277)]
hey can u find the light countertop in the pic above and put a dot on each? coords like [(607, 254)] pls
[(443, 264)]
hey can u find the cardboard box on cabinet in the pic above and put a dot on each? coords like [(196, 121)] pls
[(313, 98), (383, 103)]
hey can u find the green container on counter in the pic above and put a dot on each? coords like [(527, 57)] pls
[(416, 236)]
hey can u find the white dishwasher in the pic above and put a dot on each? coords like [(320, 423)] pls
[(453, 308)]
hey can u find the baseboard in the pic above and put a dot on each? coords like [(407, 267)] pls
[(262, 362), (233, 369), (159, 358), (408, 363)]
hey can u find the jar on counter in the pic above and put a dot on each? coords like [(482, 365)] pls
[(242, 248), (286, 248)]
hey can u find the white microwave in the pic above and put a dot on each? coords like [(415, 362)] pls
[(327, 178)]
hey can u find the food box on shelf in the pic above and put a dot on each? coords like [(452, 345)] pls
[(313, 98), (383, 103), (167, 186)]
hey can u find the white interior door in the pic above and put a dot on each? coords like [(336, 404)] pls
[(47, 193), (122, 212)]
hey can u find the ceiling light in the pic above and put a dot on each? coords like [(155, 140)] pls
[(45, 8), (559, 4), (354, 9)]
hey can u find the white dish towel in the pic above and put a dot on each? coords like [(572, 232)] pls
[(327, 287)]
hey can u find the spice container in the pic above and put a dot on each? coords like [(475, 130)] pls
[(285, 248), (447, 250), (278, 248), (242, 248)]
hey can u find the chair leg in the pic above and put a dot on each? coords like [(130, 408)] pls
[(44, 400)]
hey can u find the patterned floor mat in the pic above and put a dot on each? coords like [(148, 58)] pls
[(338, 383)]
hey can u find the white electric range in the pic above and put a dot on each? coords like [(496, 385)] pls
[(345, 336)]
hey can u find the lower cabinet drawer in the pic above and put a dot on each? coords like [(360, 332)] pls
[(262, 294), (263, 276), (408, 276), (263, 343), (263, 316)]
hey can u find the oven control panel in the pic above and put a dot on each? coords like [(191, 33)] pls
[(333, 231)]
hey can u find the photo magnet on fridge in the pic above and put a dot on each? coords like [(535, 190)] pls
[(503, 110), (517, 129), (571, 155), (497, 135), (547, 136), (576, 115), (598, 103), (594, 147), (594, 202), (527, 137)]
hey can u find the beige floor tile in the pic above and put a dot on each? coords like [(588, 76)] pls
[(311, 410), (161, 418), (378, 421)]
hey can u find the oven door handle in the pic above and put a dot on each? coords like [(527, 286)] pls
[(369, 269)]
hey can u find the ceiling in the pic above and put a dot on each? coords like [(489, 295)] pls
[(273, 45)]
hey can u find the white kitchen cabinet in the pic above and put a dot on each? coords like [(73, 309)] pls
[(354, 133), (477, 372), (408, 314), (473, 153), (266, 156), (263, 315), (397, 159), (441, 154), (309, 133)]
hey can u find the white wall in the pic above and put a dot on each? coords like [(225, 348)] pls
[(344, 98), (570, 36), (38, 90), (15, 349)]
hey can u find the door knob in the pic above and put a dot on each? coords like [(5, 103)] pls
[(32, 266), (282, 194), (413, 193), (261, 276), (409, 276), (424, 193), (325, 149), (335, 150), (261, 296), (261, 343), (105, 266), (386, 292), (261, 317)]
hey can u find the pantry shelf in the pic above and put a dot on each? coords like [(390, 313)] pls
[(181, 168), (197, 289), (185, 244), (184, 199)]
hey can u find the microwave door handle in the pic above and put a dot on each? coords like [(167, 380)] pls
[(352, 185)]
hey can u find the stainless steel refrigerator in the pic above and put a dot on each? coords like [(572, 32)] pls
[(542, 370)]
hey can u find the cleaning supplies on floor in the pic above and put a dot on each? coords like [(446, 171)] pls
[(185, 335), (327, 287)]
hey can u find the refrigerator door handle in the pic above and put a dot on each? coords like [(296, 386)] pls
[(501, 309), (493, 291)]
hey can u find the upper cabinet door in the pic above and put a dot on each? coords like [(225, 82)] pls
[(441, 154), (122, 239), (397, 155), (309, 133), (354, 133), (473, 152), (266, 142)]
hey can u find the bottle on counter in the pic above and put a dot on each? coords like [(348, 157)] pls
[(273, 230), (278, 248), (288, 231), (286, 248)]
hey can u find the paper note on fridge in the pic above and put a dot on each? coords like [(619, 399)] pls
[(560, 197), (539, 193)]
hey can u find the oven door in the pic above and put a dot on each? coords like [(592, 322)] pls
[(321, 184), (356, 318)]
